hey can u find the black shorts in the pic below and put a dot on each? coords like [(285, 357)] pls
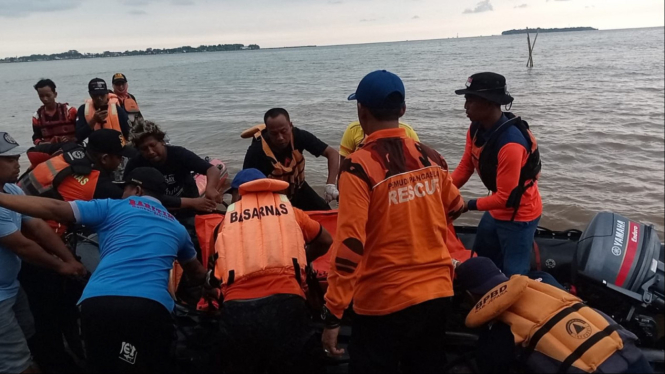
[(126, 335)]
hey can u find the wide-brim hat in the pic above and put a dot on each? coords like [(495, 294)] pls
[(489, 86)]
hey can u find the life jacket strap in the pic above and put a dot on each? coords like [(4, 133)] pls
[(296, 268), (232, 277), (547, 327), (579, 352)]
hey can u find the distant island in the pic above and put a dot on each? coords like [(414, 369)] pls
[(74, 54), (566, 29)]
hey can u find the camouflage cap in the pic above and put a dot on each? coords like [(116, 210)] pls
[(144, 128)]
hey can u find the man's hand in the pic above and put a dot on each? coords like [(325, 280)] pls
[(203, 204), (72, 268), (329, 340), (331, 193), (214, 195), (99, 117)]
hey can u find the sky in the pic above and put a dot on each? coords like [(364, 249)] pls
[(52, 26)]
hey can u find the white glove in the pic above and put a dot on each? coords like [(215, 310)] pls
[(331, 193)]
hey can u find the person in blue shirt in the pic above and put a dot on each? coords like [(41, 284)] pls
[(126, 308), (28, 239)]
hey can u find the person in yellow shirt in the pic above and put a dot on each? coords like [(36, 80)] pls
[(354, 137)]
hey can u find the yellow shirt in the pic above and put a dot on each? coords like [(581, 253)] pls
[(353, 137)]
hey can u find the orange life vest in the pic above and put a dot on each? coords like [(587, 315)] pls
[(551, 321), (46, 177), (130, 105), (259, 236), (56, 131), (112, 121), (292, 172)]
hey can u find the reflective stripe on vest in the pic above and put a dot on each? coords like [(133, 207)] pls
[(260, 236), (62, 127)]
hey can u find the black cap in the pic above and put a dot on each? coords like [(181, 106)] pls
[(148, 178), (118, 78), (97, 86), (489, 86), (479, 275), (108, 141)]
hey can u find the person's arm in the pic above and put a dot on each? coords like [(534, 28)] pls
[(196, 164), (36, 130), (347, 256), (333, 165), (187, 259), (316, 237), (451, 197), (83, 129), (39, 207), (465, 169), (41, 233), (511, 158), (349, 243), (125, 124), (213, 175), (31, 252)]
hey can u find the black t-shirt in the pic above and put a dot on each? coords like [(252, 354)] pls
[(302, 141), (177, 169)]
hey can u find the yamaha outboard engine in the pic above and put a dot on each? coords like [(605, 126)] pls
[(619, 270)]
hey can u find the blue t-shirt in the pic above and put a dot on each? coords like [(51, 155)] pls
[(10, 263), (138, 242)]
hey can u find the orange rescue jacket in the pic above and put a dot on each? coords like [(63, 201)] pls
[(112, 121), (260, 236)]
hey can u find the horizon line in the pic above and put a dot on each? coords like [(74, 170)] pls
[(342, 44)]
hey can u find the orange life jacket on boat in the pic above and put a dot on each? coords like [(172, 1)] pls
[(56, 131), (550, 321), (292, 172), (260, 236), (112, 121)]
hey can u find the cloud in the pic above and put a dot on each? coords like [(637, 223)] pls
[(368, 20), (521, 6), (23, 8), (182, 2), (335, 2), (415, 17), (137, 3), (137, 12), (483, 6)]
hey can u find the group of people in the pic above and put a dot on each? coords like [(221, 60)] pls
[(389, 258)]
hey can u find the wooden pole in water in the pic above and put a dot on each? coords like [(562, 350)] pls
[(529, 62)]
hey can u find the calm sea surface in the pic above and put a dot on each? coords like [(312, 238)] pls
[(594, 100)]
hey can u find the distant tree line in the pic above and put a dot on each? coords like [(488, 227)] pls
[(74, 54)]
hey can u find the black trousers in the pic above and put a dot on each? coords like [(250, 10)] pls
[(271, 335), (305, 198), (126, 335), (409, 341), (52, 300)]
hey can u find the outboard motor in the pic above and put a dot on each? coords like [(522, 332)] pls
[(619, 269)]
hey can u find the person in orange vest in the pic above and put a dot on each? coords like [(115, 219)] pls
[(53, 122), (127, 101), (390, 254), (504, 152), (554, 331), (261, 258), (101, 111)]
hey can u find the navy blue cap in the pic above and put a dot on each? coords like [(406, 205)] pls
[(246, 175), (374, 90), (479, 275)]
